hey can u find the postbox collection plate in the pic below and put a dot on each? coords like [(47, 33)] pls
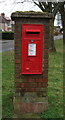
[(32, 48)]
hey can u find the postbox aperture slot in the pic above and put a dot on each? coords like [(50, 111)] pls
[(33, 31)]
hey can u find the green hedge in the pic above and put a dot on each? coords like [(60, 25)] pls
[(7, 35)]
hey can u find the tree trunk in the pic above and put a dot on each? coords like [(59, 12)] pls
[(51, 41), (64, 30), (63, 27), (62, 12)]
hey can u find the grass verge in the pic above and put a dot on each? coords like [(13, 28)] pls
[(55, 84), (7, 83)]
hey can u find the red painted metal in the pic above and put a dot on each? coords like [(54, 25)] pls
[(32, 48)]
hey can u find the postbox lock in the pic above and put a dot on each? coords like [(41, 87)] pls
[(32, 40)]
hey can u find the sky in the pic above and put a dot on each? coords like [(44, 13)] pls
[(9, 6)]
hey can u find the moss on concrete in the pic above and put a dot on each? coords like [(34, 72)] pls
[(28, 115)]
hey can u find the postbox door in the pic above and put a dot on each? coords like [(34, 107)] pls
[(32, 48)]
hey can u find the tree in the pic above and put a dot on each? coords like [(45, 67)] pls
[(62, 12), (50, 7)]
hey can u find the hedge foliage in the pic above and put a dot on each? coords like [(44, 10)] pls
[(7, 35)]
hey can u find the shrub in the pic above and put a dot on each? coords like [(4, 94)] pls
[(7, 35)]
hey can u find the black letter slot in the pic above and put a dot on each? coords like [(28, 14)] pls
[(32, 31)]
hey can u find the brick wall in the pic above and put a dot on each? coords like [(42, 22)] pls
[(36, 84), (30, 82)]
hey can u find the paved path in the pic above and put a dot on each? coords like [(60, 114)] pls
[(6, 45)]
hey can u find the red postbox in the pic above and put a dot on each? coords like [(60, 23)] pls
[(32, 48)]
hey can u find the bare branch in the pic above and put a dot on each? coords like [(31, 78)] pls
[(56, 9), (39, 5), (44, 4), (36, 3)]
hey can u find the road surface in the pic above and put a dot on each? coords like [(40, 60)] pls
[(57, 37), (6, 45)]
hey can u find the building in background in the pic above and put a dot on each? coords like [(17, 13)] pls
[(58, 21), (57, 24), (6, 23)]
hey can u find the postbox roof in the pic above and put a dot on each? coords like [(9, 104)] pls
[(31, 14)]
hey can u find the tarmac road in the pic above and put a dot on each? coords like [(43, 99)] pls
[(57, 37), (6, 45)]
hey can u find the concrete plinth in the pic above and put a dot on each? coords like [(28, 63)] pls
[(30, 105)]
